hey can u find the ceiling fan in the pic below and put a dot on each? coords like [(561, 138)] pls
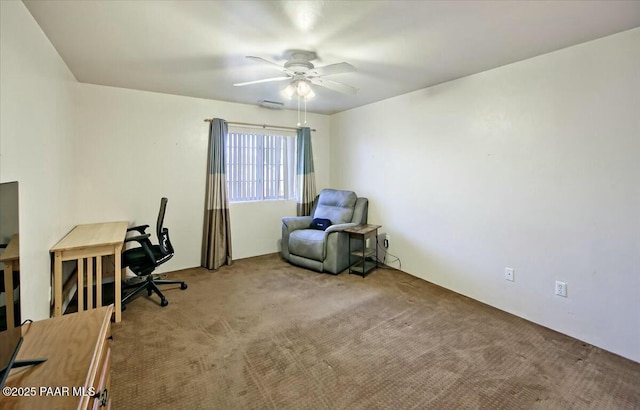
[(301, 73)]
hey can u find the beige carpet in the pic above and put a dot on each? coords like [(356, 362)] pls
[(263, 334)]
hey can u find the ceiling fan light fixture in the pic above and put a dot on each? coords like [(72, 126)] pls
[(289, 91), (300, 88), (309, 95), (303, 88)]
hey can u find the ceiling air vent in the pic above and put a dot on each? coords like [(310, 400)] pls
[(274, 105)]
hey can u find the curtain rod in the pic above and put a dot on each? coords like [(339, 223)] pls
[(282, 127)]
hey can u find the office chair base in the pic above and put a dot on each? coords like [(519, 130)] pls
[(151, 287)]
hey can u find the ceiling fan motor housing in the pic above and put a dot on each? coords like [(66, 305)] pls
[(299, 61)]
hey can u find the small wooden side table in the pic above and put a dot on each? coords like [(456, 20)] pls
[(362, 266)]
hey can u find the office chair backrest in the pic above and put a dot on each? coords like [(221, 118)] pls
[(160, 221), (163, 233)]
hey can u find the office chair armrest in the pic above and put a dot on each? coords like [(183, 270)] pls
[(143, 240), (139, 228), (138, 238)]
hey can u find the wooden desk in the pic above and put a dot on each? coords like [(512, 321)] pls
[(78, 352), (11, 259), (90, 241)]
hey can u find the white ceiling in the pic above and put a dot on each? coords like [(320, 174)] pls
[(198, 48)]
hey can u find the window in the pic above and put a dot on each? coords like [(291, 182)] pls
[(260, 166)]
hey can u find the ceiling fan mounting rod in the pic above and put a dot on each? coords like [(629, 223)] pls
[(300, 55)]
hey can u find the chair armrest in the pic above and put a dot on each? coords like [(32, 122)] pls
[(145, 244), (139, 228), (293, 223), (138, 238), (290, 224), (340, 227)]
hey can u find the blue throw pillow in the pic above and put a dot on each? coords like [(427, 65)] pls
[(320, 224)]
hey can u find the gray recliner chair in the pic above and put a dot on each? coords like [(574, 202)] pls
[(328, 250)]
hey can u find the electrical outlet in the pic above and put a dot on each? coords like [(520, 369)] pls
[(387, 240), (561, 289), (509, 274)]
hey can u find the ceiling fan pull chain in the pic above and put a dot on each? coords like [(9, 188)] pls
[(298, 111), (305, 111)]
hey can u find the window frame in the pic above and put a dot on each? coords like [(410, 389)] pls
[(260, 164)]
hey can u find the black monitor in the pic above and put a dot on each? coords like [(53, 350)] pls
[(10, 342)]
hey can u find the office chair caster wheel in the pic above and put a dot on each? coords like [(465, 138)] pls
[(183, 286), (164, 302)]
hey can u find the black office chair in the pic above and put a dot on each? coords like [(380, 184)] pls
[(144, 259)]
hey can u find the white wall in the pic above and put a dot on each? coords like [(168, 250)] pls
[(135, 147), (533, 166), (37, 132)]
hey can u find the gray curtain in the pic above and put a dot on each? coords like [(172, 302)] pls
[(216, 238), (305, 174)]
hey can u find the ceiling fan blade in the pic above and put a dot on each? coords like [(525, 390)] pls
[(332, 69), (333, 85), (266, 80), (269, 63)]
